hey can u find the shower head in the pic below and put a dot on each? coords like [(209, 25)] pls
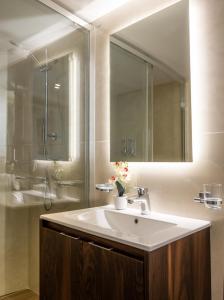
[(28, 52), (43, 67)]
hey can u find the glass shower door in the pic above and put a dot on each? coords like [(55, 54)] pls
[(44, 67)]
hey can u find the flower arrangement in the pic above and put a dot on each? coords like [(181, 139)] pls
[(121, 177)]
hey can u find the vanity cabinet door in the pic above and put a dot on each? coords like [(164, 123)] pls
[(110, 275), (60, 262)]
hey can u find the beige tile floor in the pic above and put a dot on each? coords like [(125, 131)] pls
[(23, 295)]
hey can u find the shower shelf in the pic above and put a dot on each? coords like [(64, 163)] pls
[(69, 183)]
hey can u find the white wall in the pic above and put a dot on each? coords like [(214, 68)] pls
[(173, 185)]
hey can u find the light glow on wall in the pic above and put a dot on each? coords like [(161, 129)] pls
[(99, 8), (145, 15), (74, 120), (196, 60)]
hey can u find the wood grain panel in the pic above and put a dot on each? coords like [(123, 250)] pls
[(91, 270), (189, 267), (76, 263), (86, 269), (180, 270), (136, 252), (122, 277), (55, 265), (202, 265), (157, 270), (108, 275)]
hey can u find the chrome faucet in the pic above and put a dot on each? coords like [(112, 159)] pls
[(143, 199)]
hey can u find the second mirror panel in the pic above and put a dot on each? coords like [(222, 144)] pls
[(130, 122), (150, 88)]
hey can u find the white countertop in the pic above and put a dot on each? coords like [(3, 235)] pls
[(149, 233)]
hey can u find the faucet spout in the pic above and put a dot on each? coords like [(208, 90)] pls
[(143, 199)]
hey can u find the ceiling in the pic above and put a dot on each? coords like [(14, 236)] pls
[(91, 10), (30, 26), (128, 73), (73, 5), (29, 23), (29, 18), (164, 36)]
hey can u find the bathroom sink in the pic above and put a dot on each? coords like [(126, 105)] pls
[(147, 232), (123, 222)]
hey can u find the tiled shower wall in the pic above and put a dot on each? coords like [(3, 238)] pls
[(173, 185)]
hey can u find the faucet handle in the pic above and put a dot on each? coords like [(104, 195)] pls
[(142, 191)]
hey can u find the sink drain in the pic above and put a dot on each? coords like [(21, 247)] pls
[(136, 221)]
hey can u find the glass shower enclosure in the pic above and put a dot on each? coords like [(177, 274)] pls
[(44, 166)]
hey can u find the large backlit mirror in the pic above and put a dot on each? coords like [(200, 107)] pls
[(150, 115), (47, 58)]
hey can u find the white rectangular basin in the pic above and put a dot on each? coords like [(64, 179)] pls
[(122, 222), (129, 226)]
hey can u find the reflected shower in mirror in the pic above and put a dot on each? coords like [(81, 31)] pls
[(150, 116), (48, 67)]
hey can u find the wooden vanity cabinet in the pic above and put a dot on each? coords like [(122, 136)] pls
[(60, 260), (78, 266)]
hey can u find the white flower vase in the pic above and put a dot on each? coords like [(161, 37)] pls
[(120, 202)]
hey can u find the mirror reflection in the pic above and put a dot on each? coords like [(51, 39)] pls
[(46, 68), (150, 89)]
